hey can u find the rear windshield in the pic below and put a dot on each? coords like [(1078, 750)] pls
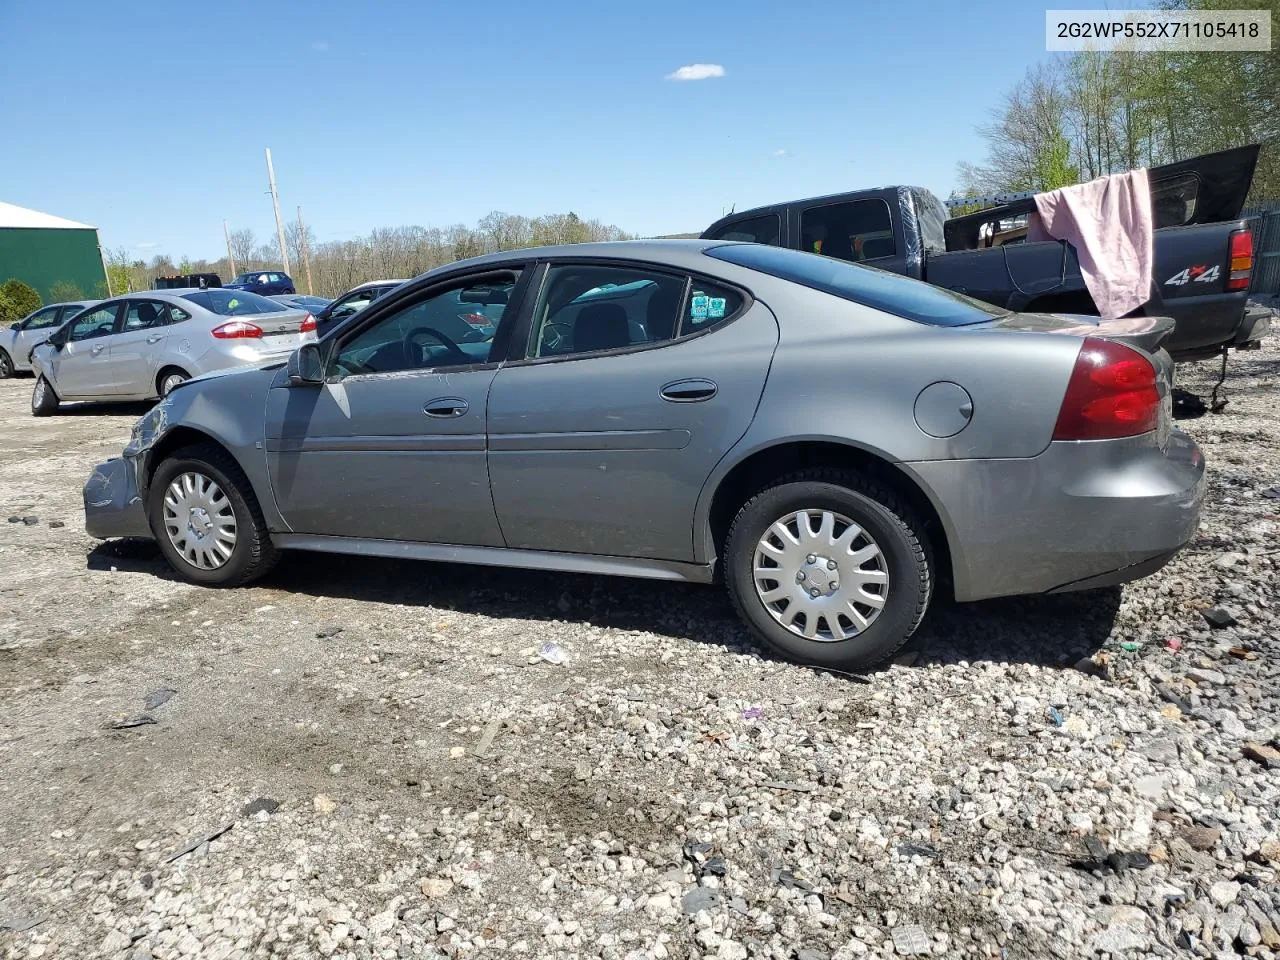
[(233, 303), (868, 286)]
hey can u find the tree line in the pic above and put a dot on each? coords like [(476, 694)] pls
[(1085, 115), (386, 253)]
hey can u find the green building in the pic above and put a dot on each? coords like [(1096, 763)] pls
[(44, 250)]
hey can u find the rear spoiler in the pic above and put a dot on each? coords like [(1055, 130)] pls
[(1221, 182)]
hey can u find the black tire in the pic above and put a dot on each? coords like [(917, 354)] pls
[(6, 365), (44, 401), (164, 376), (253, 554), (884, 516)]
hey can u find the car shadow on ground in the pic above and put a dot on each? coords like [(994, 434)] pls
[(131, 408), (1054, 631)]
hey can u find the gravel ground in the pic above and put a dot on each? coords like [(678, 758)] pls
[(371, 759)]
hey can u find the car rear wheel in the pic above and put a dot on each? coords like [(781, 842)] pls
[(206, 519), (6, 365), (169, 379), (829, 568), (44, 402)]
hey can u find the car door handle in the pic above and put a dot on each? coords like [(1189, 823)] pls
[(97, 349), (443, 407), (154, 339), (688, 391)]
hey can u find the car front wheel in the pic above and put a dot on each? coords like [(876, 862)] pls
[(829, 568), (6, 365), (206, 518), (44, 402)]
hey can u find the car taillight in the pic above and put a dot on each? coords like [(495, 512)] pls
[(1241, 260), (308, 324), (1112, 393), (237, 330)]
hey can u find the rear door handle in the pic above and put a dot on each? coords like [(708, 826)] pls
[(98, 349), (443, 407), (154, 339), (688, 391)]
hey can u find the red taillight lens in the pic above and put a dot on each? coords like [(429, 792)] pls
[(1112, 393), (238, 330), (1241, 264), (308, 324)]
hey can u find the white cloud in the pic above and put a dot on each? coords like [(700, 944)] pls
[(697, 71), (779, 153), (319, 46), (146, 245)]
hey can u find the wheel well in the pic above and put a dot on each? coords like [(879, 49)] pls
[(176, 439), (760, 469), (165, 371)]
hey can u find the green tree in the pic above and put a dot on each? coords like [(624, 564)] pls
[(8, 312), (64, 291), (22, 297)]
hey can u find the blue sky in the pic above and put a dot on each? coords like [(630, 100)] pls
[(150, 122)]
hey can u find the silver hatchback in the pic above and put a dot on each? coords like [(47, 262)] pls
[(140, 346)]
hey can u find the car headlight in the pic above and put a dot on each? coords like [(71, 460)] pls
[(145, 432)]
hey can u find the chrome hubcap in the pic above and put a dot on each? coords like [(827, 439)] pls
[(821, 575), (38, 396), (200, 521), (170, 382)]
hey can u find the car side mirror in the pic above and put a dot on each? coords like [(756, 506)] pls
[(15, 325), (305, 365)]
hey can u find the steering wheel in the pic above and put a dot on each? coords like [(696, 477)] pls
[(454, 350), (554, 336)]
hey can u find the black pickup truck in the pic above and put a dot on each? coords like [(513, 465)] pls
[(1203, 253)]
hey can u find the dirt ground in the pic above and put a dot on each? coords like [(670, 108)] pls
[(354, 694)]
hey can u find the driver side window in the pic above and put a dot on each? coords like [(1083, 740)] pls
[(449, 328), (98, 323)]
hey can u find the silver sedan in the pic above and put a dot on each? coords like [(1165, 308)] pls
[(836, 443), (140, 346), (35, 328)]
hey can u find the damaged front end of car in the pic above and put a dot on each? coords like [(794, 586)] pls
[(114, 504)]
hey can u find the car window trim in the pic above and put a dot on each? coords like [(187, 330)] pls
[(519, 355), (387, 304)]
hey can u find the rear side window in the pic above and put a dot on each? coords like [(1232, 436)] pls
[(855, 231), (1173, 202), (898, 295), (233, 303), (765, 229), (707, 305), (586, 308)]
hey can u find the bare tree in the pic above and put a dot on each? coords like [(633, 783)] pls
[(242, 246)]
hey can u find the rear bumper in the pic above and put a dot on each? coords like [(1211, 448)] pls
[(112, 505), (1079, 515), (1253, 328)]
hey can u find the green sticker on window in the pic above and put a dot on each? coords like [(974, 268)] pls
[(716, 310), (700, 307)]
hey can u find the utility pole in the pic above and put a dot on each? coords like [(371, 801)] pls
[(231, 260), (275, 201), (302, 247)]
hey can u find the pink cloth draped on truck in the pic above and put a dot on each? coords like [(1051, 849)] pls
[(1108, 221)]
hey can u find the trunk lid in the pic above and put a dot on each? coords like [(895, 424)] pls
[(287, 323)]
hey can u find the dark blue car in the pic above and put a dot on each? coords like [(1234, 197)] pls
[(267, 283)]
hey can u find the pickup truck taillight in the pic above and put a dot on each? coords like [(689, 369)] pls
[(237, 330), (1112, 393), (1241, 263)]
